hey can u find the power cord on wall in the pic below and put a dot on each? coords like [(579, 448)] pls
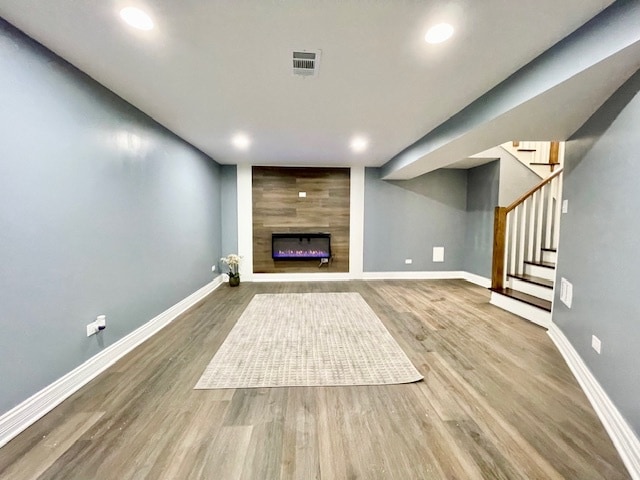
[(325, 261)]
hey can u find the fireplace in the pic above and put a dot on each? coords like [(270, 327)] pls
[(300, 246)]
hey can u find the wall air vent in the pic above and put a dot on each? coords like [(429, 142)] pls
[(306, 63)]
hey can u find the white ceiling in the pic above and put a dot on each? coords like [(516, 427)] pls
[(212, 68)]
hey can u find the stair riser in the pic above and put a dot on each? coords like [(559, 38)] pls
[(542, 272), (532, 289), (533, 314), (550, 256)]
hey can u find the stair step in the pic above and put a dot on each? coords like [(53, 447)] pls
[(549, 255), (545, 163), (526, 149), (541, 264), (541, 291), (544, 269), (543, 282), (523, 297), (536, 315)]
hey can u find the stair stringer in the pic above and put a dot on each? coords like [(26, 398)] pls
[(527, 157), (514, 177)]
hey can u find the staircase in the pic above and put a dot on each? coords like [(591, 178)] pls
[(526, 235), (540, 157)]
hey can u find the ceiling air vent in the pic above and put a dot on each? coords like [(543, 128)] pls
[(306, 63)]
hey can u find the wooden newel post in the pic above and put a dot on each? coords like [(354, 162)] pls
[(499, 232), (554, 153)]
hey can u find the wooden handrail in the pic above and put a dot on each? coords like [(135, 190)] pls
[(499, 233), (523, 197)]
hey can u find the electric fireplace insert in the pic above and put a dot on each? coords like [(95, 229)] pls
[(300, 246)]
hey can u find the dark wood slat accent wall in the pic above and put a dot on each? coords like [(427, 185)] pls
[(278, 208)]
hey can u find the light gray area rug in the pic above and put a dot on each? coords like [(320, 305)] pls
[(308, 339)]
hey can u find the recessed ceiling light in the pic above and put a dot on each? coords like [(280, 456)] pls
[(359, 144), (439, 33), (241, 141), (136, 18)]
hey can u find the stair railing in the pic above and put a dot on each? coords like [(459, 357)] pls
[(545, 154), (526, 227)]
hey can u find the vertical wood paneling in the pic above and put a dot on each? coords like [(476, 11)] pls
[(277, 208)]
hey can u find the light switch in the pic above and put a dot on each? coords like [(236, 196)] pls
[(566, 292), (565, 206)]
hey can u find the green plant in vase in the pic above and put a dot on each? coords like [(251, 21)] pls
[(233, 262)]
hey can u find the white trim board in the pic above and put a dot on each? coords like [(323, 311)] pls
[(356, 221), (412, 275), (39, 404), (345, 276), (477, 279), (301, 277), (245, 219), (621, 434)]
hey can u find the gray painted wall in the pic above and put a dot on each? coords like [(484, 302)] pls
[(407, 218), (229, 206), (102, 211), (515, 179), (598, 250), (483, 185)]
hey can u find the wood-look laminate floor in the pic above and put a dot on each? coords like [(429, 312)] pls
[(497, 402)]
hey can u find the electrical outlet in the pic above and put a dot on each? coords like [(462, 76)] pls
[(99, 324), (92, 328), (596, 344), (302, 194), (213, 268), (408, 261), (438, 254)]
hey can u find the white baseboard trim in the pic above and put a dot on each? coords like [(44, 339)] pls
[(302, 277), (35, 407), (533, 314), (412, 275), (623, 437), (344, 276), (477, 279), (468, 276)]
